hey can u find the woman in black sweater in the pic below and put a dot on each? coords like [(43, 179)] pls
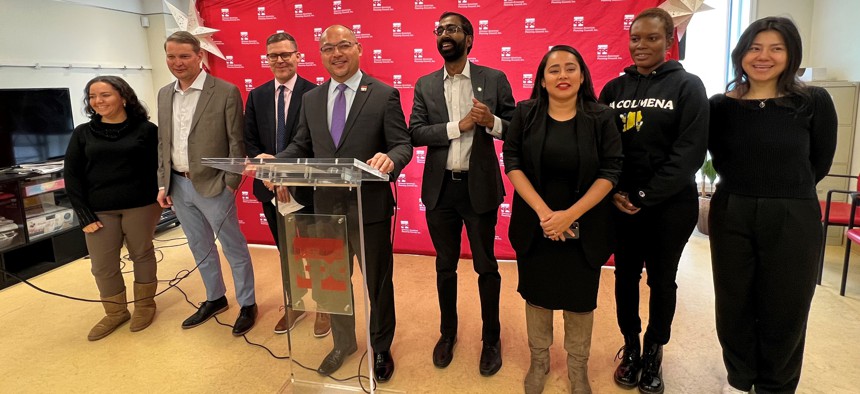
[(110, 173), (662, 112), (772, 139)]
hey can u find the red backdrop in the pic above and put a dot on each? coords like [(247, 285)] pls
[(399, 47)]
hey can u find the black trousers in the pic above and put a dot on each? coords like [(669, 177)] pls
[(764, 253), (445, 223), (653, 238)]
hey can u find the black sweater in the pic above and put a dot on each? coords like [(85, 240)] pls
[(111, 166), (774, 151), (663, 120)]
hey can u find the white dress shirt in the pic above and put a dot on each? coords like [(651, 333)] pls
[(184, 104), (458, 99)]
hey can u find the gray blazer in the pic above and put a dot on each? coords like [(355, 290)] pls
[(428, 127), (216, 131), (375, 123)]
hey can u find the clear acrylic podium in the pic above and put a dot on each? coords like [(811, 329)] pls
[(315, 263)]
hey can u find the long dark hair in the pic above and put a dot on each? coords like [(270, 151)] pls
[(586, 100), (133, 107), (787, 84)]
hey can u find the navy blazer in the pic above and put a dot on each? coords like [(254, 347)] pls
[(260, 131), (428, 127), (599, 145)]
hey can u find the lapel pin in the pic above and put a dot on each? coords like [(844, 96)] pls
[(363, 88), (480, 89)]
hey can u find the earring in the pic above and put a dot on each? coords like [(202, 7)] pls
[(123, 104)]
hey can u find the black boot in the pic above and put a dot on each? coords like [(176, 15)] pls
[(651, 381), (627, 373)]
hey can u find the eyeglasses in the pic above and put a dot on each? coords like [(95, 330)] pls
[(273, 57), (342, 46), (450, 29)]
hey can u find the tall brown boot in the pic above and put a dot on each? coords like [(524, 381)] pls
[(116, 313), (539, 328), (577, 342), (144, 305)]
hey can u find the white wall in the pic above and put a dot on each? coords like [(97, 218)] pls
[(835, 33), (706, 51), (62, 33)]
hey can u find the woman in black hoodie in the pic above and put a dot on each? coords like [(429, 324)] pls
[(663, 117)]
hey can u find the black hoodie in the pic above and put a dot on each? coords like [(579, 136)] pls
[(663, 120)]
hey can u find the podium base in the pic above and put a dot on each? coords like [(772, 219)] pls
[(306, 387)]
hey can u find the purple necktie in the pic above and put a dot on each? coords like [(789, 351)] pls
[(338, 115)]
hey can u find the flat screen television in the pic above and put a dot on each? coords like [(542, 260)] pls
[(35, 125)]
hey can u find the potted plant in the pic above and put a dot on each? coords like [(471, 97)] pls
[(709, 174)]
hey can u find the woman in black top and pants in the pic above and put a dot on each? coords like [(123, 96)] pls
[(110, 173), (563, 156), (772, 139)]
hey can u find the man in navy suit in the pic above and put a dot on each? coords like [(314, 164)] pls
[(354, 115), (457, 112), (271, 117)]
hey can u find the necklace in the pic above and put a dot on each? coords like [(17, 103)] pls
[(761, 103)]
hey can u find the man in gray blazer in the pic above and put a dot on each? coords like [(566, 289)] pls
[(457, 112), (271, 117), (201, 116), (356, 116)]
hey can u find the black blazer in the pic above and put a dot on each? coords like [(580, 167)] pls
[(260, 131), (599, 145), (428, 127), (375, 123)]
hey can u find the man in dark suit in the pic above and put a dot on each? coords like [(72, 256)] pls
[(271, 117), (356, 116), (201, 116), (456, 113)]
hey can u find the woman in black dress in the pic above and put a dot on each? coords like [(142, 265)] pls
[(563, 156)]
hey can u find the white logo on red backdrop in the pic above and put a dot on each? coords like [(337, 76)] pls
[(305, 63), (245, 196), (562, 1), (317, 33), (421, 206), (225, 16), (603, 53), (528, 81), (263, 220), (264, 61), (397, 30), (320, 80), (232, 63), (531, 29), (249, 84), (300, 12), (580, 27), (402, 181), (378, 7), (404, 228), (467, 4), (628, 21), (356, 29), (507, 55), (418, 56), (245, 39), (420, 155), (501, 160), (337, 8), (505, 210), (514, 3), (422, 5), (261, 15), (397, 82), (484, 28), (379, 59)]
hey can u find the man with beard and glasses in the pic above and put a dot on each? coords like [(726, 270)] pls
[(462, 182)]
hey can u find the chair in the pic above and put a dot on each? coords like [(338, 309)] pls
[(851, 235), (837, 213)]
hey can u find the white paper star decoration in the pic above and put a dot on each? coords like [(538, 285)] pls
[(190, 22), (682, 12)]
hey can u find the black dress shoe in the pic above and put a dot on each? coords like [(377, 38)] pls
[(491, 358), (651, 381), (245, 321), (443, 353), (205, 312), (332, 362), (383, 366)]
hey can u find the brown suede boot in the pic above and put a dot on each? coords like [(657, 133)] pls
[(144, 305), (577, 342), (539, 329), (116, 313)]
